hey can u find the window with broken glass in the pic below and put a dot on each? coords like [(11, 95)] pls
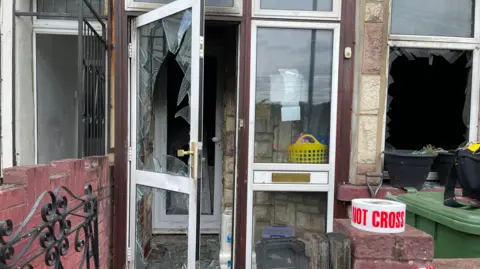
[(433, 80)]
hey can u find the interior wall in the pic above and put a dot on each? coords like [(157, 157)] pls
[(57, 127), (226, 38)]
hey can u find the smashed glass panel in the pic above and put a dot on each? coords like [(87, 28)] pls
[(156, 251), (430, 92), (163, 112)]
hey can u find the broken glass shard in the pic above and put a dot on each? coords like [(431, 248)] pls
[(175, 27), (184, 113)]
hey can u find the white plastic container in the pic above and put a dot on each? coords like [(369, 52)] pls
[(225, 256), (254, 260), (226, 230)]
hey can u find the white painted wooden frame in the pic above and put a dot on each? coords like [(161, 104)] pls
[(335, 14), (284, 167), (442, 42), (210, 224), (235, 10), (186, 185)]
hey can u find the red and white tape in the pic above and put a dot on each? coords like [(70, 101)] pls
[(378, 216), (428, 267)]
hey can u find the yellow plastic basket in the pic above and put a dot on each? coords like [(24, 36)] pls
[(301, 152)]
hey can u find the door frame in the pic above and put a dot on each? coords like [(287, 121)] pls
[(345, 93), (209, 224), (179, 184)]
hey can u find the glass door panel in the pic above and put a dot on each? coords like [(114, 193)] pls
[(216, 3), (165, 128)]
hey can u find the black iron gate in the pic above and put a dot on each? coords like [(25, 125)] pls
[(65, 223), (92, 58)]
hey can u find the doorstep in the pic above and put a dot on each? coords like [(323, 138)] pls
[(348, 192), (456, 263)]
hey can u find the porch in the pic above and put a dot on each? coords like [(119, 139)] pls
[(198, 138)]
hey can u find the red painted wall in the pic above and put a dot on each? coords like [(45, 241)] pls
[(24, 184)]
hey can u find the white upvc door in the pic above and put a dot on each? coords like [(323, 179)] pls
[(165, 135)]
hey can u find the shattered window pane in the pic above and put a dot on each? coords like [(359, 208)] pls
[(430, 92), (159, 251), (163, 110), (433, 17)]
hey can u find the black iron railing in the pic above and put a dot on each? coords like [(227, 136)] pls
[(50, 240), (93, 52)]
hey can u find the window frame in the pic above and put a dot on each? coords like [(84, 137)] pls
[(137, 6), (439, 42), (335, 14), (330, 166)]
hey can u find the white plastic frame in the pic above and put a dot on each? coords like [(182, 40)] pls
[(138, 6), (298, 14), (284, 167), (186, 185)]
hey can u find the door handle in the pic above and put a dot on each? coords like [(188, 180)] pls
[(183, 153), (215, 139)]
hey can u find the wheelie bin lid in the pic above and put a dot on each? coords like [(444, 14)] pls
[(430, 206)]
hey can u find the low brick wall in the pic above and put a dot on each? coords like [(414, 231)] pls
[(409, 250), (24, 184)]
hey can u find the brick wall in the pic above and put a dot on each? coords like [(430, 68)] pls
[(408, 250), (228, 133), (228, 138), (24, 184)]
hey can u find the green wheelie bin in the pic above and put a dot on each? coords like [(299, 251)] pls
[(456, 231)]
